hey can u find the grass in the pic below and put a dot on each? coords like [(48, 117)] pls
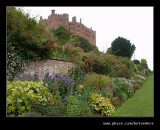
[(141, 104)]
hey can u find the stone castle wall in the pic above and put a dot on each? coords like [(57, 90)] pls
[(42, 67)]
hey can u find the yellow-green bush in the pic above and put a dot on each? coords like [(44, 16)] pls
[(101, 104), (23, 96)]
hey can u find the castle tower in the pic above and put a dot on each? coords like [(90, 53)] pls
[(52, 12), (74, 19)]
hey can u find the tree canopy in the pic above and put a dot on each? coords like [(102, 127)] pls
[(62, 34), (122, 47), (136, 61), (84, 43)]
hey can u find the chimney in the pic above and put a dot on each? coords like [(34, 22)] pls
[(74, 19), (53, 11), (41, 18), (80, 20)]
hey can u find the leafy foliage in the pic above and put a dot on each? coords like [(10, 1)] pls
[(78, 105), (84, 44), (122, 47), (101, 104), (76, 74), (136, 61), (29, 38), (15, 64), (88, 87), (60, 84), (97, 82), (96, 62), (23, 96), (122, 89), (62, 34), (58, 110), (116, 102)]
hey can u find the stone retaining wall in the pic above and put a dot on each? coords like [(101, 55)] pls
[(42, 67)]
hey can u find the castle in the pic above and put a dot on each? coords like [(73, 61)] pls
[(74, 27)]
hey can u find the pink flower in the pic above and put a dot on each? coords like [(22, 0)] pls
[(97, 86), (111, 88)]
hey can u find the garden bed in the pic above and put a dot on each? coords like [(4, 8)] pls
[(95, 96)]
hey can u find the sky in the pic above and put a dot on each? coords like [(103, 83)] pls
[(132, 23)]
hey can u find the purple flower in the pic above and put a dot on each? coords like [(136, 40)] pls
[(64, 99), (57, 76), (46, 75), (36, 75), (50, 77), (53, 79), (30, 79), (70, 85), (49, 82)]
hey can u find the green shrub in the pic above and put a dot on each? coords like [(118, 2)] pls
[(57, 110), (32, 114), (84, 44), (116, 102), (136, 85), (23, 96), (77, 104), (136, 61), (15, 64), (74, 106), (117, 67), (122, 89), (96, 62), (62, 34), (101, 104), (59, 56), (76, 74), (71, 51), (95, 81), (140, 82), (30, 39)]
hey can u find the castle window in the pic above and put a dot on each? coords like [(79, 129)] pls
[(60, 21), (71, 25), (78, 27), (77, 31), (71, 29)]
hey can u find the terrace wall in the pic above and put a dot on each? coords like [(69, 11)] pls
[(42, 67)]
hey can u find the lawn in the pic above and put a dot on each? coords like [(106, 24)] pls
[(141, 104)]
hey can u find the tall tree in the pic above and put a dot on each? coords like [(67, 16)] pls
[(122, 47), (62, 34)]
